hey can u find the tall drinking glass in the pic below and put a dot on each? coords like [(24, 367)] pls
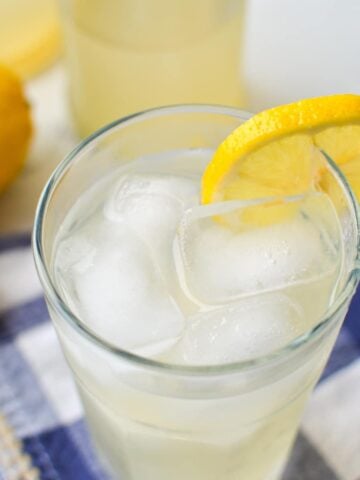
[(128, 55), (159, 421)]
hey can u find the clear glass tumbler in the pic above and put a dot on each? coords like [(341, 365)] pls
[(128, 55), (156, 421)]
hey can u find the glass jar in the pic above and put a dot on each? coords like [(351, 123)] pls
[(129, 55)]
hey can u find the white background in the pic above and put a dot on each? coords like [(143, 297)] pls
[(301, 48)]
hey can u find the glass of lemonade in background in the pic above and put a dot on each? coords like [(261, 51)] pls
[(29, 34), (186, 368), (125, 56)]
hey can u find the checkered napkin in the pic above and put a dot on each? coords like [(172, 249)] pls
[(42, 431)]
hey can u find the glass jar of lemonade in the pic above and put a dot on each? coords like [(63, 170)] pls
[(129, 55), (29, 34)]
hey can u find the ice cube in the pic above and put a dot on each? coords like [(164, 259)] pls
[(75, 253), (152, 207), (118, 291), (253, 326), (219, 262)]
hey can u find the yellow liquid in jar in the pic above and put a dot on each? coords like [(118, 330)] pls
[(29, 34), (129, 55)]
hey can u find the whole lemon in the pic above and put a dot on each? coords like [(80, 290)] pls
[(15, 127)]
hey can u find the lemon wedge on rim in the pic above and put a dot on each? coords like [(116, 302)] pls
[(271, 154)]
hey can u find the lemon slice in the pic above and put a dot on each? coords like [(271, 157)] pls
[(272, 154)]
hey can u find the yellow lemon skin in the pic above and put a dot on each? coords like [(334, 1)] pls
[(271, 155), (15, 127)]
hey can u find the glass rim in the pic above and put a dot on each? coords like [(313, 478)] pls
[(55, 298)]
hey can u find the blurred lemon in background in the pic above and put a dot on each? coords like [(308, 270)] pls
[(15, 127), (29, 35)]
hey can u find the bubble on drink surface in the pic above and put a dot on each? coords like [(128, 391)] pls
[(152, 206), (219, 262), (251, 327), (114, 286)]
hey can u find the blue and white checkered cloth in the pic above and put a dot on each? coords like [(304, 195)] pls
[(42, 431)]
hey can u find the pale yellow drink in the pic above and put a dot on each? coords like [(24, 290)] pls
[(194, 342), (129, 55), (29, 34), (179, 310)]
